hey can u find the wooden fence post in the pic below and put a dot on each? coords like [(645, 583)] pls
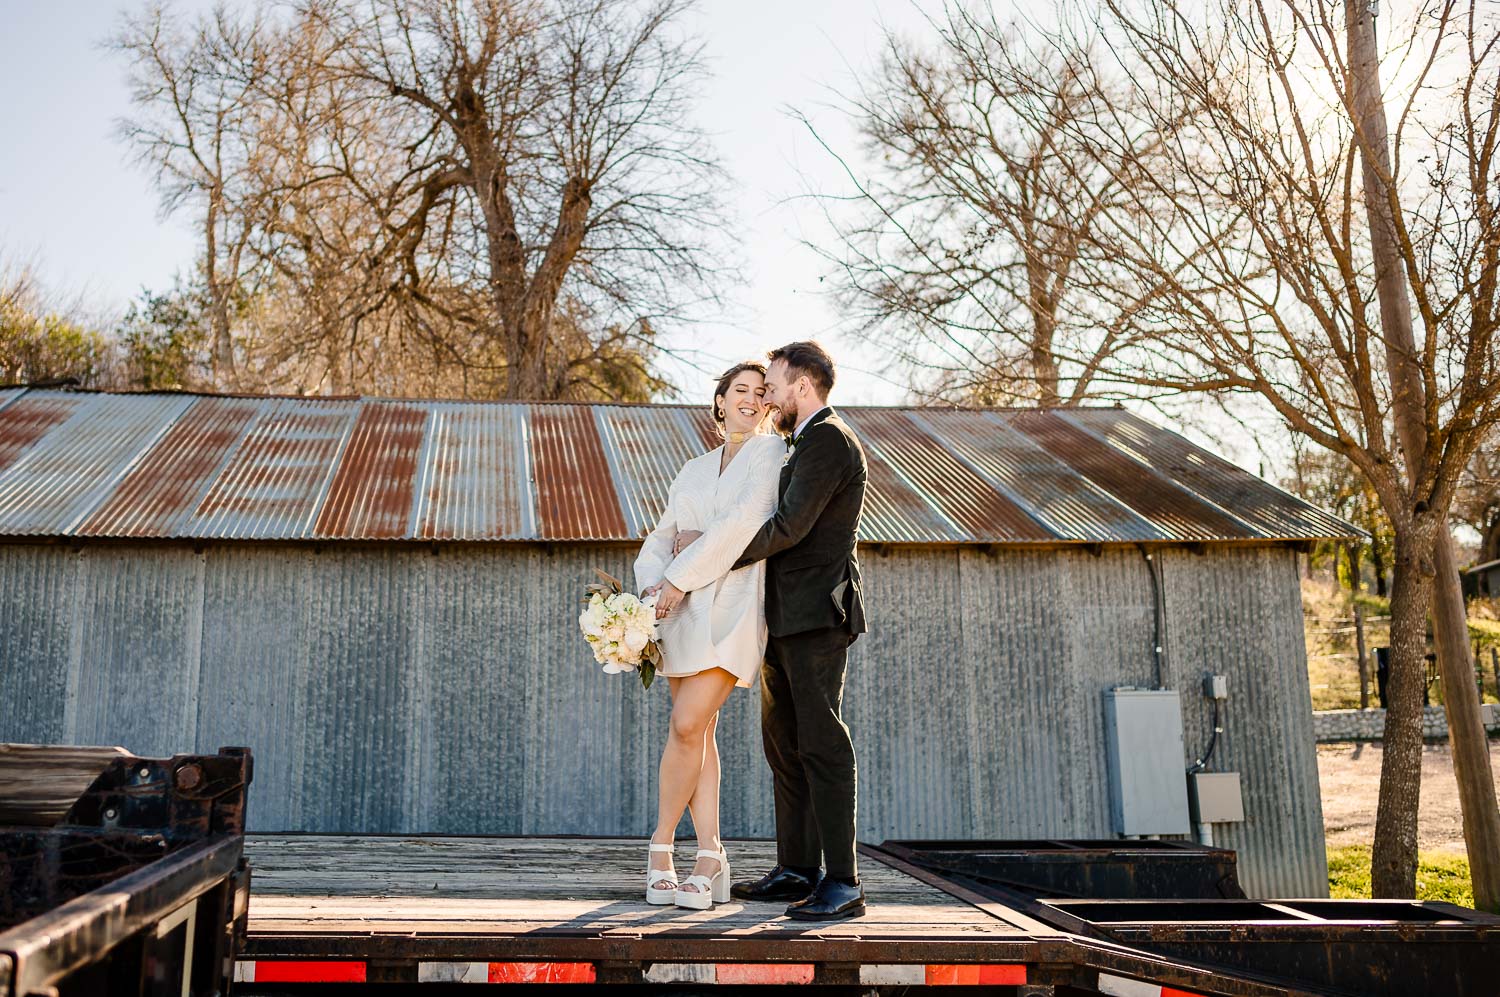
[(1364, 662)]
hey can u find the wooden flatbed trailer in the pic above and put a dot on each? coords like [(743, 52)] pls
[(130, 877), (404, 911)]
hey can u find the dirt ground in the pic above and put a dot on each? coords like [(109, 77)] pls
[(1349, 775)]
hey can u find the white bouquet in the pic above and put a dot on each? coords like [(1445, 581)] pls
[(621, 628)]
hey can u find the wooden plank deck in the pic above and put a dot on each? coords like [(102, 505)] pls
[(446, 897)]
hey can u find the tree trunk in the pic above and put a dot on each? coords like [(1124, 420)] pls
[(1481, 814), (1490, 547), (1466, 735), (1393, 861), (1377, 562)]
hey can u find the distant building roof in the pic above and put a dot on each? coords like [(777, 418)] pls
[(172, 465)]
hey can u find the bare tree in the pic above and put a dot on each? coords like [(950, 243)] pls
[(412, 193), (1330, 481), (196, 89), (1392, 245), (1277, 274), (1478, 502), (550, 154), (979, 251)]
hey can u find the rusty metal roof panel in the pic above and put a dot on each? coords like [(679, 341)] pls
[(87, 445), (276, 479), (474, 476), (370, 496), (961, 497), (158, 495), (576, 497), (8, 395), (896, 509), (646, 448), (1071, 507), (1272, 512), (1172, 509), (25, 420), (276, 468)]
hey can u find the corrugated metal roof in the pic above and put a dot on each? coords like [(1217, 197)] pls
[(79, 464), (1174, 510)]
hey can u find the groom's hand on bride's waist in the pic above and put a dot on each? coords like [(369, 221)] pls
[(683, 540)]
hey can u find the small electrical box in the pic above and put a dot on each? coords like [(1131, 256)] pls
[(1216, 686), (1143, 738), (1216, 798)]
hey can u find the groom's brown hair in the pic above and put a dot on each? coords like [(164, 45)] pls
[(806, 357)]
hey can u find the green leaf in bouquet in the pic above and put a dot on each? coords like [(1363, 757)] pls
[(648, 674), (614, 582)]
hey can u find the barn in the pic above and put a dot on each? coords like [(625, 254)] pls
[(379, 597)]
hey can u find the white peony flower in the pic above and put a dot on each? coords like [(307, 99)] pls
[(591, 620), (636, 638)]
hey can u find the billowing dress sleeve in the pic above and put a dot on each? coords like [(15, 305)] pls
[(656, 550), (712, 555)]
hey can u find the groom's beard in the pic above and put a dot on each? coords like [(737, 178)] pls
[(786, 421)]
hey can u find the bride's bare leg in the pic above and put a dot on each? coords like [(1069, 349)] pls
[(662, 861), (695, 702), (704, 805)]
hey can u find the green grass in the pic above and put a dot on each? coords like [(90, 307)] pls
[(1486, 633), (1440, 875)]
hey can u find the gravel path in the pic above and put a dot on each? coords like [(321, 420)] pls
[(1349, 775)]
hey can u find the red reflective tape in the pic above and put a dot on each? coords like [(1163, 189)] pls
[(764, 972), (992, 974), (1174, 992), (302, 971), (541, 972), (1002, 974)]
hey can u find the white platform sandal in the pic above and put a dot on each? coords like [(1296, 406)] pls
[(654, 876), (710, 889)]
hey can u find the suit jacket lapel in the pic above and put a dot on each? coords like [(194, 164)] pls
[(824, 413), (786, 468)]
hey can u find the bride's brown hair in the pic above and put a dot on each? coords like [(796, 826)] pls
[(722, 390)]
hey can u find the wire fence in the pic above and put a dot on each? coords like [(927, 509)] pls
[(1343, 670)]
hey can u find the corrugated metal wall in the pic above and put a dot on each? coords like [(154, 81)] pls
[(396, 689)]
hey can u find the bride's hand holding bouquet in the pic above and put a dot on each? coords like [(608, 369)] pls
[(621, 628)]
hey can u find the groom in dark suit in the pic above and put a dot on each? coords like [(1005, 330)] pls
[(814, 612)]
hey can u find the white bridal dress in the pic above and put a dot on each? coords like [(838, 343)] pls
[(721, 622)]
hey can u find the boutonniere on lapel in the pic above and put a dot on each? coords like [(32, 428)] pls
[(791, 448)]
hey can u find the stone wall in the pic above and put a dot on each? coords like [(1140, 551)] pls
[(1369, 725)]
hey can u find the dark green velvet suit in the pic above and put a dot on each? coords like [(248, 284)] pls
[(814, 610)]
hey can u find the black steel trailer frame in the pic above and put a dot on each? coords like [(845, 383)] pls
[(137, 887), (1194, 909)]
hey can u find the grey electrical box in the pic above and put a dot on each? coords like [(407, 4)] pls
[(1216, 798), (1143, 738)]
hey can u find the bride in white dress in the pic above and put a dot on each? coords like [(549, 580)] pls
[(713, 622)]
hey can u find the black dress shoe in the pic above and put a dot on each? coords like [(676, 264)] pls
[(780, 883), (829, 902)]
